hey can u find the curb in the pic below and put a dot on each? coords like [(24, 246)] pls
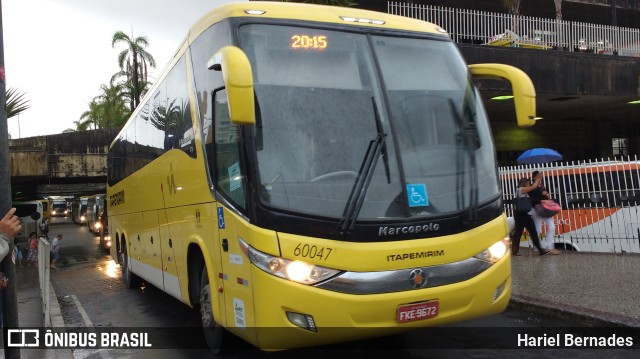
[(573, 313), (57, 321), (54, 309)]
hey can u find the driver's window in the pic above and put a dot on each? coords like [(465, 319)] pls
[(229, 175)]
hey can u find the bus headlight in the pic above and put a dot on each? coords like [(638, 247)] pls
[(96, 225), (296, 271), (495, 252)]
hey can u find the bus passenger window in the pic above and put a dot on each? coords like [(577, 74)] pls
[(229, 173)]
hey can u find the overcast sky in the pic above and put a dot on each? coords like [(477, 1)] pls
[(58, 52)]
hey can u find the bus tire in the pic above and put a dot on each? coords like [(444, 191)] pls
[(129, 279), (213, 333)]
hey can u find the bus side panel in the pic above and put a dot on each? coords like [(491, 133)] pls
[(170, 239), (201, 232), (130, 226), (189, 225), (149, 254)]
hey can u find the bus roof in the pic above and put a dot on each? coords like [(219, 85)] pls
[(293, 11), (310, 12)]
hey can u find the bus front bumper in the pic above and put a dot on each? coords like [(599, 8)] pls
[(339, 317)]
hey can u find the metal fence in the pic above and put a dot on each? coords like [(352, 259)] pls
[(600, 202), (501, 29), (44, 272)]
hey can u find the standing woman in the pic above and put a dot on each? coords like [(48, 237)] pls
[(537, 196), (524, 220)]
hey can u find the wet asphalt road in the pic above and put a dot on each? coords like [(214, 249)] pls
[(91, 294)]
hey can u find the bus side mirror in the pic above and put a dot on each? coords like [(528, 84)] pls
[(238, 80), (35, 216), (524, 93)]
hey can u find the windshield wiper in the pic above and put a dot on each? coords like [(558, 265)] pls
[(470, 142), (367, 168), (359, 190), (385, 154)]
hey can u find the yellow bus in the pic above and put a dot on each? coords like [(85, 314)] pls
[(313, 168), (46, 209)]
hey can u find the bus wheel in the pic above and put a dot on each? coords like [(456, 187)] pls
[(213, 333), (130, 280)]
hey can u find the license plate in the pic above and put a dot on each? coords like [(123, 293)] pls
[(418, 311)]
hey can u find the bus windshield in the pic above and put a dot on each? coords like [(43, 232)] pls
[(323, 97)]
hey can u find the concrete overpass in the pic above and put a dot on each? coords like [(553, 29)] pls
[(65, 164)]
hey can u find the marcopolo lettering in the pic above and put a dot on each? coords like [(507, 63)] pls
[(390, 231)]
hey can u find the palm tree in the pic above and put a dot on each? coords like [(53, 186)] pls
[(113, 106), (16, 102), (91, 117), (128, 90), (105, 110), (134, 62)]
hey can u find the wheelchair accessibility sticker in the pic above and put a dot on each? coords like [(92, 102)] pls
[(220, 218), (417, 195)]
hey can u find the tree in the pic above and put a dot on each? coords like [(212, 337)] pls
[(16, 102), (90, 117), (134, 62), (113, 106), (105, 110)]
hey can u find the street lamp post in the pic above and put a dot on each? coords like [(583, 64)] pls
[(9, 297)]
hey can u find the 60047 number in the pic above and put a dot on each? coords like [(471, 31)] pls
[(312, 251)]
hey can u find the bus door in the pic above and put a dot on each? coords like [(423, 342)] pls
[(169, 235), (229, 178)]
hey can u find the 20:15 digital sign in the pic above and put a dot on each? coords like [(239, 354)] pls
[(306, 42)]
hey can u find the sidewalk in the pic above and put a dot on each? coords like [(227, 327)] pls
[(30, 312), (602, 288)]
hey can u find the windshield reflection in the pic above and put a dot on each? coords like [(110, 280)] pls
[(316, 120)]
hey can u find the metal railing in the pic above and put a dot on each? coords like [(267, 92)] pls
[(44, 272), (600, 202), (501, 29)]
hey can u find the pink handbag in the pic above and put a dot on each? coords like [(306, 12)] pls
[(547, 208)]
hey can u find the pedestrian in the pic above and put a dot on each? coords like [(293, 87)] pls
[(18, 252), (44, 228), (523, 220), (55, 250), (9, 228), (32, 254), (538, 195)]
